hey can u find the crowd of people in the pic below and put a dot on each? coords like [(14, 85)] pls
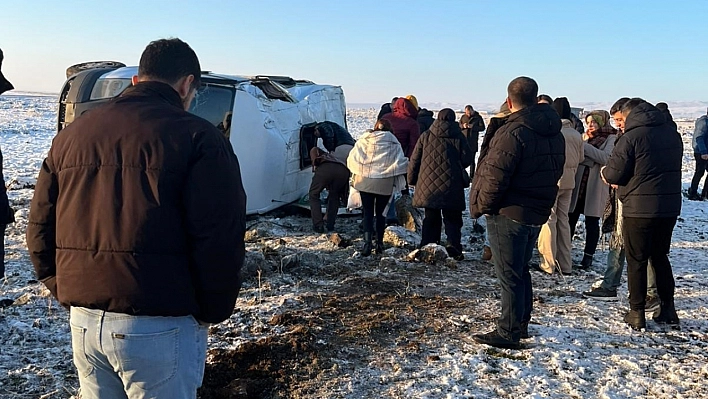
[(146, 251)]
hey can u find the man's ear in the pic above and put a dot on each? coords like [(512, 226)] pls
[(184, 86), (508, 104), (135, 80)]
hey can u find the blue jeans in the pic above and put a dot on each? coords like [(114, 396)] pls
[(122, 356), (615, 266), (512, 245)]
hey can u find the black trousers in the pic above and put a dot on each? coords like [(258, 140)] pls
[(335, 178), (592, 231), (648, 239), (373, 206), (701, 168), (2, 250), (432, 227)]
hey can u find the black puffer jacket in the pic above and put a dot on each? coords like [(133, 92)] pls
[(646, 165), (519, 176), (333, 135), (425, 119), (476, 125), (139, 209), (437, 165)]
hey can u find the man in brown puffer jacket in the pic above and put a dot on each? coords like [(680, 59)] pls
[(137, 224)]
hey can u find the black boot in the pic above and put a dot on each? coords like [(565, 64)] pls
[(666, 313), (379, 244), (366, 251), (636, 319), (525, 330), (693, 195), (586, 262)]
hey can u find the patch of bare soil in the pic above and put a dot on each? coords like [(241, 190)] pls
[(365, 308)]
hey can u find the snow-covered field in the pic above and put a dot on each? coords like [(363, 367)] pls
[(315, 320)]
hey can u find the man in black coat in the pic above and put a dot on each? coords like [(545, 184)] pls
[(646, 165), (516, 187), (471, 123), (137, 225)]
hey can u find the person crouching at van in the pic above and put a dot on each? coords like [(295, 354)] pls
[(333, 175), (378, 166), (335, 139)]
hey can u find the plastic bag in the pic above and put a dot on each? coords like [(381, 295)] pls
[(354, 199)]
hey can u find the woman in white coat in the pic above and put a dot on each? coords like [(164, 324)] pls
[(378, 167), (590, 192)]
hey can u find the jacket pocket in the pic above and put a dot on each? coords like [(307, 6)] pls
[(147, 360)]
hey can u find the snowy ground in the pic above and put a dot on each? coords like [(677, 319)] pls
[(315, 320)]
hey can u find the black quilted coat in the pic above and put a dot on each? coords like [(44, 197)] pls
[(437, 165), (519, 176)]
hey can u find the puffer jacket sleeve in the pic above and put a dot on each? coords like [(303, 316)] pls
[(215, 207), (41, 227), (620, 166), (414, 162), (496, 171)]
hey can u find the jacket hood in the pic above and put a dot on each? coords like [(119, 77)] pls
[(425, 112), (443, 128), (644, 114), (446, 114), (540, 118), (404, 107), (567, 123)]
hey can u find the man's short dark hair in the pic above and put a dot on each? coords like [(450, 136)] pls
[(469, 107), (169, 60), (522, 92), (630, 104), (562, 107), (544, 97), (617, 106)]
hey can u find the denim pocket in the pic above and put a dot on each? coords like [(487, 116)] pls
[(78, 346), (147, 360)]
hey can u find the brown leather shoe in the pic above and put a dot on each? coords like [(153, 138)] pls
[(486, 253)]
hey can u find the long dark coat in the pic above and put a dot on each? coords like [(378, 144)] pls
[(437, 165)]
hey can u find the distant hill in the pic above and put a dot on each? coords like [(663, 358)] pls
[(679, 109)]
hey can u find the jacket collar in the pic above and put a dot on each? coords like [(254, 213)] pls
[(154, 89)]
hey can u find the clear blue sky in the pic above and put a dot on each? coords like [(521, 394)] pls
[(441, 51)]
